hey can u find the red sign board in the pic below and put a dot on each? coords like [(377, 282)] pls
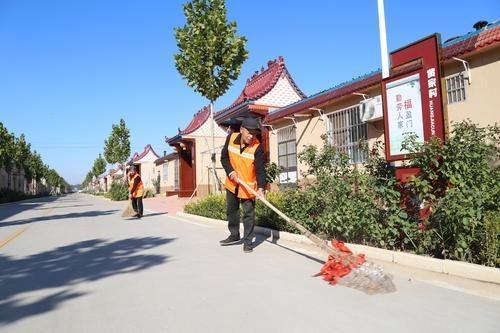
[(411, 96)]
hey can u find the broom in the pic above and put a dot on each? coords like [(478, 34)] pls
[(342, 267), (129, 211)]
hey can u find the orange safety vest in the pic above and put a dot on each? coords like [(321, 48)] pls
[(139, 190), (243, 164)]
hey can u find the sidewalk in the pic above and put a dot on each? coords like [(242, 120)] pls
[(163, 204), (478, 279)]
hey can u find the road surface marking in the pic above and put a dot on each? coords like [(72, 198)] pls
[(12, 237)]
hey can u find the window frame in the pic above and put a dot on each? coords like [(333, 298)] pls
[(345, 126), (456, 91), (288, 173)]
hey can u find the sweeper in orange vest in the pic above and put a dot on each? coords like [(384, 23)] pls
[(243, 160), (136, 191)]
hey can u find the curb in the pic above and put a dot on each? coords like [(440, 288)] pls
[(443, 266)]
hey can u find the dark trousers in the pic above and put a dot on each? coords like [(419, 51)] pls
[(137, 205), (233, 216)]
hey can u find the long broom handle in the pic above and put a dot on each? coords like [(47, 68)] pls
[(315, 239)]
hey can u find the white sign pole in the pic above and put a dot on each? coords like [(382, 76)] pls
[(383, 39)]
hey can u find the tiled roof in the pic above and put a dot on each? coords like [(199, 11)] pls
[(147, 149), (260, 83), (168, 157), (199, 119), (340, 90), (474, 41)]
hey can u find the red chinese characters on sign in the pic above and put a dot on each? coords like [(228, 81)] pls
[(412, 96)]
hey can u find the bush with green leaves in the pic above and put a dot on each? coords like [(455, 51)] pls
[(213, 206), (118, 191), (449, 210), (266, 217), (272, 172), (459, 185), (490, 252), (7, 195)]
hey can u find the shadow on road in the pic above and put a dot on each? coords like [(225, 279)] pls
[(57, 207), (13, 208), (259, 239), (91, 213), (66, 267)]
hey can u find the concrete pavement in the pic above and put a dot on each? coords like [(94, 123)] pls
[(79, 267)]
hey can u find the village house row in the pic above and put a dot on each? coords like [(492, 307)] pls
[(345, 114)]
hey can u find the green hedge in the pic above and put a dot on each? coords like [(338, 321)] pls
[(118, 191), (7, 195)]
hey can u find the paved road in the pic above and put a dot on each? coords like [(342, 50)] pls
[(72, 264)]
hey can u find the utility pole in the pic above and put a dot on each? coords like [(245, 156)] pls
[(383, 39)]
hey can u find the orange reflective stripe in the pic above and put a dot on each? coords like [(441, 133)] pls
[(139, 190), (243, 164)]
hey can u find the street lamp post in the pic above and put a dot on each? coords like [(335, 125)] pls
[(383, 39)]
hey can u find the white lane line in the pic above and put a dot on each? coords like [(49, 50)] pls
[(191, 222)]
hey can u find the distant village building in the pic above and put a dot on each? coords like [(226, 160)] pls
[(194, 147), (167, 168), (271, 88), (267, 89), (145, 165)]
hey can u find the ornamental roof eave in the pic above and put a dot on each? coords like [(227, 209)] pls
[(137, 157), (258, 85), (168, 157)]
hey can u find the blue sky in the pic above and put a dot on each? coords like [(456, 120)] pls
[(71, 69)]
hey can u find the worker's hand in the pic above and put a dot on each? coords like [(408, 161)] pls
[(234, 177), (260, 193)]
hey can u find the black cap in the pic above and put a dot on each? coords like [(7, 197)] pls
[(250, 124)]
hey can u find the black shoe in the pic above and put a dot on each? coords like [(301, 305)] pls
[(230, 240), (247, 248)]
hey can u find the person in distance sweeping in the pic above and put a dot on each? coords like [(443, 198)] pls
[(136, 191)]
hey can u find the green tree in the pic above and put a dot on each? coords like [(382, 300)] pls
[(99, 166), (117, 146), (210, 52), (35, 168), (7, 151), (53, 179), (88, 180), (22, 152), (5, 142)]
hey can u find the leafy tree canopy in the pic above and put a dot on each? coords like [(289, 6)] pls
[(210, 53), (117, 146), (99, 166)]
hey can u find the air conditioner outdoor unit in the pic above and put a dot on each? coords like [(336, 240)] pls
[(371, 109)]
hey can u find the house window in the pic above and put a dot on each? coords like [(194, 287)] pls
[(176, 175), (455, 88), (287, 155), (165, 171), (345, 129)]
